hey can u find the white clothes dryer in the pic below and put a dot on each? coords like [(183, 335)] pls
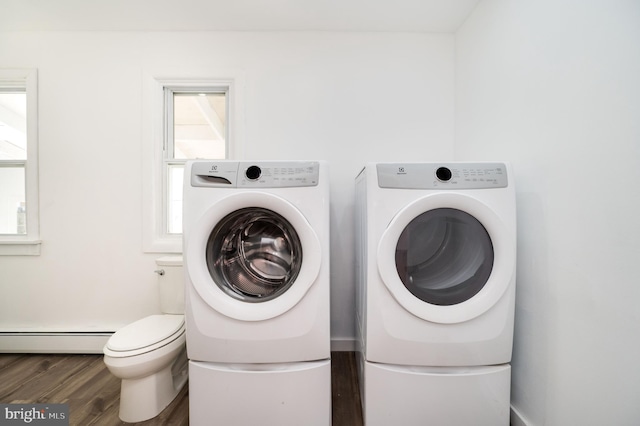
[(436, 268), (256, 255)]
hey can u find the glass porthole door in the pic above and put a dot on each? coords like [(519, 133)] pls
[(254, 255), (444, 256)]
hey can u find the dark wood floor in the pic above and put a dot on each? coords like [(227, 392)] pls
[(92, 392)]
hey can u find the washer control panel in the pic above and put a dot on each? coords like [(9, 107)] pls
[(442, 175), (262, 174)]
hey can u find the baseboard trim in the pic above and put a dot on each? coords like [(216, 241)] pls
[(517, 419), (71, 343), (343, 345)]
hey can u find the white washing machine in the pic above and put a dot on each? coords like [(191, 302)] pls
[(436, 268), (256, 256)]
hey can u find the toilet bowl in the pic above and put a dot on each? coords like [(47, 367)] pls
[(149, 355)]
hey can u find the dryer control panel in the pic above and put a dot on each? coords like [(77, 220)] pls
[(261, 174), (442, 175)]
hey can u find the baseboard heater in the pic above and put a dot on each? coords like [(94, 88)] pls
[(84, 342), (51, 343)]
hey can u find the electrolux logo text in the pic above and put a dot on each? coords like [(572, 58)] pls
[(34, 414)]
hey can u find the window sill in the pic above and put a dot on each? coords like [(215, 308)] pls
[(20, 248), (162, 245)]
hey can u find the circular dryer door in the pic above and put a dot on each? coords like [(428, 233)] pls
[(446, 258), (253, 256)]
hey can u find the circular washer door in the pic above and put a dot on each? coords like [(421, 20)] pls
[(446, 258), (253, 256)]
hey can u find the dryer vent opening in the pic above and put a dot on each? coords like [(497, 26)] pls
[(444, 256), (254, 254)]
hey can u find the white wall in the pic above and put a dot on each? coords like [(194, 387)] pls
[(346, 98), (554, 87)]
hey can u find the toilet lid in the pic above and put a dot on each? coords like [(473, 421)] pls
[(146, 332)]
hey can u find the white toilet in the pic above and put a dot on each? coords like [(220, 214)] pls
[(150, 354)]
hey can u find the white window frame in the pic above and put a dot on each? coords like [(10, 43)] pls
[(156, 239), (28, 244)]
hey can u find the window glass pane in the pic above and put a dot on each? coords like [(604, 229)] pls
[(199, 125), (12, 201), (174, 204), (13, 125)]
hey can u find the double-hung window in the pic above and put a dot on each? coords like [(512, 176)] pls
[(195, 128), (19, 231), (183, 120)]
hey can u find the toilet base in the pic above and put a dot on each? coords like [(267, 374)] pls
[(144, 398)]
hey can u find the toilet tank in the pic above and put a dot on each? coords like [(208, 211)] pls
[(171, 284)]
